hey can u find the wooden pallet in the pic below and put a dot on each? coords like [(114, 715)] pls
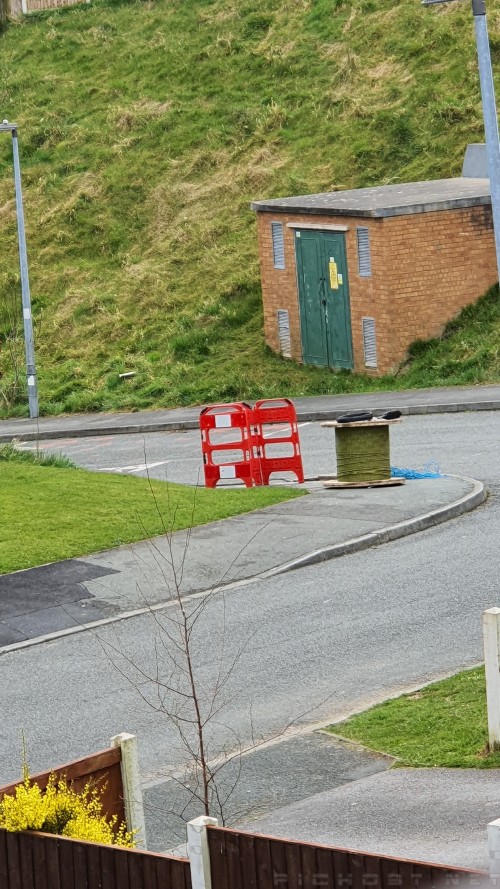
[(382, 483), (377, 421)]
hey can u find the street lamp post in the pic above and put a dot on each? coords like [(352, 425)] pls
[(29, 344), (489, 111)]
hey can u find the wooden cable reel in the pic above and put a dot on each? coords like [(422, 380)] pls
[(363, 454)]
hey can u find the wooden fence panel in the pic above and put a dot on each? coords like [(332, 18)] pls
[(38, 861), (248, 866), (3, 860), (27, 864), (149, 870), (10, 9), (94, 866), (52, 874), (66, 869), (247, 861), (107, 870), (37, 5), (325, 868), (178, 875), (40, 864), (103, 769), (13, 862), (13, 8), (293, 865), (218, 858)]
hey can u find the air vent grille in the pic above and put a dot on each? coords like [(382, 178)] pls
[(278, 245), (369, 342), (284, 333), (364, 258)]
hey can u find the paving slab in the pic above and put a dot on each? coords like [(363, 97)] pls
[(437, 815)]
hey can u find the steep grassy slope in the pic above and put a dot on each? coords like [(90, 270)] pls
[(147, 127)]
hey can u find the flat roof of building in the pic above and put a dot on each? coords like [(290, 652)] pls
[(386, 200)]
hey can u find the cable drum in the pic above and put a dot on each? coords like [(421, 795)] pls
[(363, 452)]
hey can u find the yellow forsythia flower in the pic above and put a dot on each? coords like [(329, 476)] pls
[(64, 811)]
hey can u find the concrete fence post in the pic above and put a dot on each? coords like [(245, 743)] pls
[(494, 849), (198, 851), (491, 635), (132, 791)]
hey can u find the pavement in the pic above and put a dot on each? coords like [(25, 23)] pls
[(405, 813), (357, 801), (316, 408)]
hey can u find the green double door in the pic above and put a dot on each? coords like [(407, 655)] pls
[(325, 316)]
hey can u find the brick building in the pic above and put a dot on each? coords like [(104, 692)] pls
[(351, 278)]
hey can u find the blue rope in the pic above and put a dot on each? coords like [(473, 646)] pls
[(431, 470)]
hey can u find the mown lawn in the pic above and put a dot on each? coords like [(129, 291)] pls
[(52, 512), (444, 724)]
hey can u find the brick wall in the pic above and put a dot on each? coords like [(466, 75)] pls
[(425, 268), (436, 263)]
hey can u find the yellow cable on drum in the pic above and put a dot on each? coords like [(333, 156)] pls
[(363, 453)]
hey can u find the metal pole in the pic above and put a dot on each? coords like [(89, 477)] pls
[(29, 344), (489, 115)]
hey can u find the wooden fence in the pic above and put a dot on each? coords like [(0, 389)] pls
[(37, 5), (40, 861), (237, 861), (13, 8), (248, 861), (103, 769)]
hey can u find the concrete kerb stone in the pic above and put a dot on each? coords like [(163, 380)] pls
[(89, 432), (466, 406), (469, 501), (304, 415)]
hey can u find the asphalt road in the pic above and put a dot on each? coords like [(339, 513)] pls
[(460, 443), (314, 644)]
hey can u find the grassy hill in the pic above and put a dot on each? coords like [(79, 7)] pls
[(145, 130)]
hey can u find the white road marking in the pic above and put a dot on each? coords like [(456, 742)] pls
[(283, 426), (137, 467)]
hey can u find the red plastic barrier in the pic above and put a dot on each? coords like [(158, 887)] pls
[(277, 411), (251, 440), (214, 420)]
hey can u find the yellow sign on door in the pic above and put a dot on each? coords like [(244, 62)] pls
[(334, 276)]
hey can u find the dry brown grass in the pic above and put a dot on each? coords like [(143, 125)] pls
[(138, 113), (87, 185)]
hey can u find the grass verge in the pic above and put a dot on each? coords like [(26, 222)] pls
[(52, 512), (10, 454), (444, 724)]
